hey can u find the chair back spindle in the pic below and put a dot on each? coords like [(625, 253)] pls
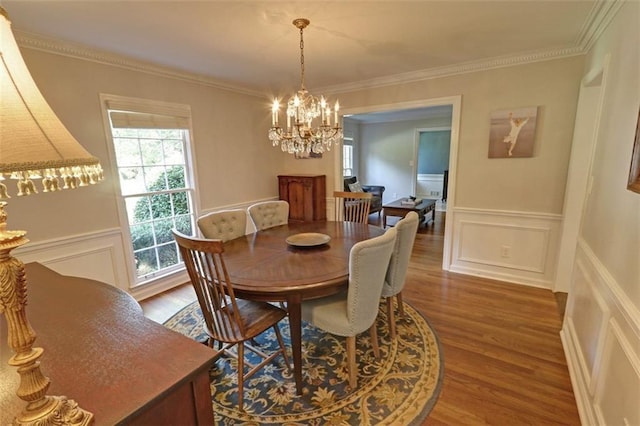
[(205, 265), (352, 206)]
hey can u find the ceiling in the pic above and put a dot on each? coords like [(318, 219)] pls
[(252, 45)]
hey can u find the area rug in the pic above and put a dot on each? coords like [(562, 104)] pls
[(399, 388)]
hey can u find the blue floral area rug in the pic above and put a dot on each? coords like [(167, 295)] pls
[(399, 388)]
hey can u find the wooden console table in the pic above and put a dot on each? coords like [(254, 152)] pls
[(398, 209), (101, 351)]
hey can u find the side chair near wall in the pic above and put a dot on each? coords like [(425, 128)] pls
[(224, 225), (397, 272), (352, 206), (228, 320), (354, 310), (268, 214)]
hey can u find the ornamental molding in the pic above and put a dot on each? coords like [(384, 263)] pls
[(77, 51), (599, 17), (448, 71)]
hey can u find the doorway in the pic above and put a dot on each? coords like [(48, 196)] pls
[(404, 109), (432, 146)]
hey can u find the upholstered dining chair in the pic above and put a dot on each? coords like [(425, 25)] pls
[(268, 214), (355, 310), (228, 320), (397, 272), (352, 206), (224, 225)]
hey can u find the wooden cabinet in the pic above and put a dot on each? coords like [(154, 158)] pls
[(306, 195)]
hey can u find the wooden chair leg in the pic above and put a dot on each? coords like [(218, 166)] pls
[(400, 306), (373, 330), (282, 347), (211, 341), (391, 317), (241, 376), (351, 362)]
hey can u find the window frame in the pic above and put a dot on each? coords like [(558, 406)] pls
[(181, 111), (347, 142)]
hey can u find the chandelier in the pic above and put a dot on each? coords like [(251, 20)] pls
[(309, 128)]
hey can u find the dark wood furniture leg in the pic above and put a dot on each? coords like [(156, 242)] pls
[(295, 328)]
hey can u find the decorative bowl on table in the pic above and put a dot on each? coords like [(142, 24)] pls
[(308, 239)]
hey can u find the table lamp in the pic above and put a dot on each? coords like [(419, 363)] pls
[(34, 145)]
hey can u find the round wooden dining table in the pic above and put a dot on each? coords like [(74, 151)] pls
[(264, 266)]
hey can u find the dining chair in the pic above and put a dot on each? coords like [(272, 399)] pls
[(268, 214), (352, 206), (354, 310), (228, 320), (398, 265), (224, 225)]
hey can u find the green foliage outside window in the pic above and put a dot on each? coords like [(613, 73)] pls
[(153, 218)]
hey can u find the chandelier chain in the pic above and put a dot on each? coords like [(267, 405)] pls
[(301, 59)]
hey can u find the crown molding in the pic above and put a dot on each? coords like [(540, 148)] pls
[(77, 51), (463, 68), (599, 17)]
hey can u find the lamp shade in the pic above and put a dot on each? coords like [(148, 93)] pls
[(34, 144)]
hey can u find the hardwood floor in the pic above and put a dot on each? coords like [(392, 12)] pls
[(504, 362)]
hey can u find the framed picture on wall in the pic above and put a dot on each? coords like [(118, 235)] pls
[(634, 173), (512, 132)]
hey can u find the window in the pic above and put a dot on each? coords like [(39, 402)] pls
[(152, 159), (347, 157)]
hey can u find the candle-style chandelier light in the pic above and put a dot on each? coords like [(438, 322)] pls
[(304, 134)]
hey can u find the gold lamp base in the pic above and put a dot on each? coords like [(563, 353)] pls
[(54, 410), (41, 410)]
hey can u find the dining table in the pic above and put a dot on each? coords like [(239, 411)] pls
[(294, 262)]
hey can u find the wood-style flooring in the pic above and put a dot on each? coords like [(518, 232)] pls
[(504, 362)]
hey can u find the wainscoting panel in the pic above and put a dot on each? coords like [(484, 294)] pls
[(517, 247), (430, 186), (601, 341), (98, 256), (101, 256), (587, 320), (617, 401)]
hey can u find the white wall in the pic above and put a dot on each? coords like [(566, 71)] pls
[(523, 197), (236, 164), (78, 232), (386, 157), (601, 331), (387, 153), (533, 184)]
